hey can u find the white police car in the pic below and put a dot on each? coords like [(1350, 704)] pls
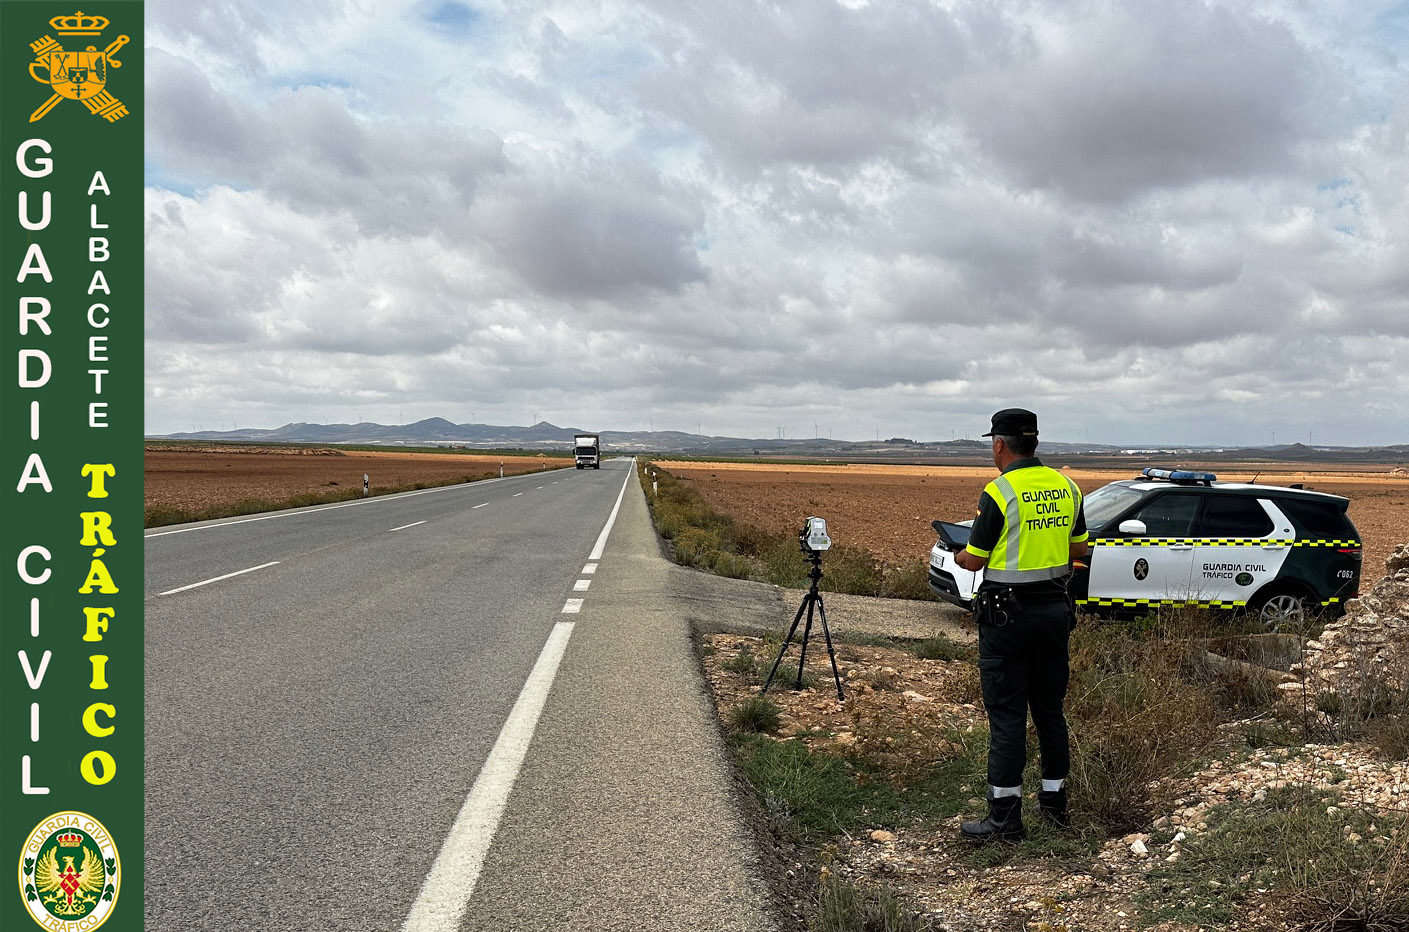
[(1173, 537)]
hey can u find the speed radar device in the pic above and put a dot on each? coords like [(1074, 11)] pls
[(813, 536), (813, 540)]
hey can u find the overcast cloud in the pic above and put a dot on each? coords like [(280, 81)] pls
[(1151, 221)]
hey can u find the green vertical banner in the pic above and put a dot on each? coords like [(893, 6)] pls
[(71, 774)]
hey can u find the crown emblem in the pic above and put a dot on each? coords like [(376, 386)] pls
[(70, 840), (78, 24), (78, 75)]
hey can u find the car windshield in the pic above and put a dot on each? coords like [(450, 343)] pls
[(1106, 502)]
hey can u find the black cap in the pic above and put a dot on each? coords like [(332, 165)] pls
[(1014, 422)]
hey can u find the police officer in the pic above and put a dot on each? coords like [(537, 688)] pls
[(1028, 531)]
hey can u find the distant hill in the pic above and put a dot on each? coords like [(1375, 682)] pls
[(437, 431)]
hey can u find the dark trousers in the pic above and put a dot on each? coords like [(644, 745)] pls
[(1023, 668)]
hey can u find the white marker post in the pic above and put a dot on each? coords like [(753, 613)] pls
[(366, 483)]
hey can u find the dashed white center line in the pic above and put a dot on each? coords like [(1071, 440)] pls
[(480, 505), (581, 585), (517, 494), (405, 526), (206, 582), (539, 487), (572, 607), (589, 569)]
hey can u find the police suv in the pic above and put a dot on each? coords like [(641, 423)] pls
[(1174, 537)]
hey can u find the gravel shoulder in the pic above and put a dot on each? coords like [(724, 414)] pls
[(715, 605)]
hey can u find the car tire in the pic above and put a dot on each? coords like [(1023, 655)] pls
[(1281, 608)]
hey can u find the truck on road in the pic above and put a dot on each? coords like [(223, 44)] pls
[(587, 450)]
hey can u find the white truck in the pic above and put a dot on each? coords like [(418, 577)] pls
[(587, 450)]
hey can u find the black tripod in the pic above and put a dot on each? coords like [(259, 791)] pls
[(812, 598)]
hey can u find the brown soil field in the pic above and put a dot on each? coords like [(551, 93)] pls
[(888, 509), (200, 477)]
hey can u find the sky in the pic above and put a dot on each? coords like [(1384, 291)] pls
[(1149, 221)]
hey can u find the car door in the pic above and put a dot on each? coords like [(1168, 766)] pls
[(1133, 570), (1242, 543)]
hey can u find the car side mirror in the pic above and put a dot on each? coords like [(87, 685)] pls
[(1133, 527), (935, 524)]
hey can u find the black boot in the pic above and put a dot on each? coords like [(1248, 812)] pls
[(1053, 806), (1004, 821)]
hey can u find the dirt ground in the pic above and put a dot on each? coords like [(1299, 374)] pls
[(888, 509), (199, 477)]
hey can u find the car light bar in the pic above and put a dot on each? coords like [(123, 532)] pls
[(1178, 475)]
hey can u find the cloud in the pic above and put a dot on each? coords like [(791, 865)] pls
[(1113, 99), (1150, 219)]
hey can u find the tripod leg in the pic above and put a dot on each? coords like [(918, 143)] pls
[(827, 633), (811, 599), (784, 649)]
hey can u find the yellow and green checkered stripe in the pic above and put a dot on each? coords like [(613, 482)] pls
[(1217, 542), (1149, 603)]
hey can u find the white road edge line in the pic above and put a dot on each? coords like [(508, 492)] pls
[(206, 582), (308, 511), (456, 870), (602, 539), (405, 526)]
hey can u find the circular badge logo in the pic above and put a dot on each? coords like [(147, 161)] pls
[(1142, 568), (69, 873), (1243, 579)]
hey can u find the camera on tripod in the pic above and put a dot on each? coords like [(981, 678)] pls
[(813, 541), (813, 536)]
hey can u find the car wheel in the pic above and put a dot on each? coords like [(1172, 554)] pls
[(1281, 610)]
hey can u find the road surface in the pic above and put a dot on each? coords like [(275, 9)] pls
[(459, 708)]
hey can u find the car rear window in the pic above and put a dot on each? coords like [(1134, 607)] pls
[(1234, 516), (1318, 519)]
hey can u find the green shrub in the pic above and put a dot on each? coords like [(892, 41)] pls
[(1133, 719), (1322, 866), (845, 907), (908, 581), (743, 663), (811, 795), (754, 714), (941, 647)]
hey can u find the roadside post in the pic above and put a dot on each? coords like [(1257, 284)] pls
[(366, 482)]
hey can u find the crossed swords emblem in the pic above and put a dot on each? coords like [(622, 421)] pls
[(77, 76)]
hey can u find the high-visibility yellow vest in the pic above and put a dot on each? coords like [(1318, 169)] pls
[(1040, 506)]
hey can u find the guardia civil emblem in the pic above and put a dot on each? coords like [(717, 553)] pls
[(69, 873), (82, 75)]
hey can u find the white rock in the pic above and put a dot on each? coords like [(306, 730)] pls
[(1138, 849)]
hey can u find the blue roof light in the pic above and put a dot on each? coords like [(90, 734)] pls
[(1179, 475)]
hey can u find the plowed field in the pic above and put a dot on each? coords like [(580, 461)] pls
[(888, 509), (200, 478)]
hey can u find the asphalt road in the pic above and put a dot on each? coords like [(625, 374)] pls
[(387, 715)]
